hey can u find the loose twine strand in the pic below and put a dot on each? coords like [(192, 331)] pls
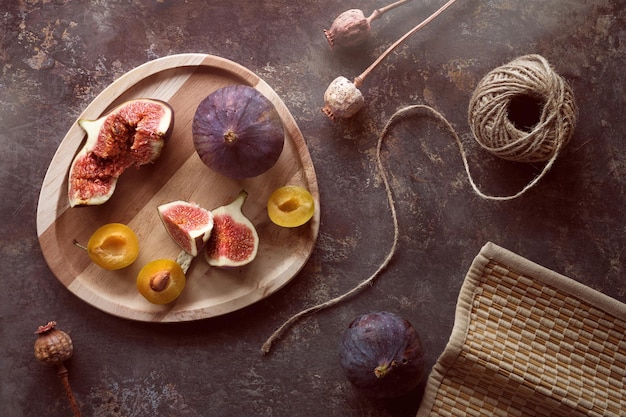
[(529, 75), (265, 349)]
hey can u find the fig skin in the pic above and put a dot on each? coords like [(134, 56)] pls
[(381, 354), (132, 134), (237, 132)]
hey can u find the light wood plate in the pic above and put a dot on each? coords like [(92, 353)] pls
[(179, 174)]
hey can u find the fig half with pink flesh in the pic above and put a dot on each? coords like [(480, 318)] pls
[(234, 240), (132, 134), (188, 224)]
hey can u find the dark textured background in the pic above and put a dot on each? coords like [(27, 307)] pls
[(57, 55)]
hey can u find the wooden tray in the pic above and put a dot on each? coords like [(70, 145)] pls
[(179, 174)]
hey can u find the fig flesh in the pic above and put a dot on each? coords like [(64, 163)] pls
[(234, 240), (188, 224), (132, 134), (237, 132), (381, 355)]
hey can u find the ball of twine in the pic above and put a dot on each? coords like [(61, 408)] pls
[(522, 111), (514, 91)]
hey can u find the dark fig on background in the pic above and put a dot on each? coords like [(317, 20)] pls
[(237, 132), (380, 353), (132, 134)]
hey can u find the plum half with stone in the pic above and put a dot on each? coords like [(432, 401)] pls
[(132, 134), (234, 240), (188, 224), (113, 246), (290, 206), (161, 281), (237, 132)]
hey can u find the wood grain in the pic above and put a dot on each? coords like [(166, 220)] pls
[(179, 174)]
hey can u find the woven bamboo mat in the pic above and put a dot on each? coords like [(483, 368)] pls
[(529, 342)]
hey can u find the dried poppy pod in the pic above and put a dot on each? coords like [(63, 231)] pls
[(342, 99), (352, 28), (52, 348)]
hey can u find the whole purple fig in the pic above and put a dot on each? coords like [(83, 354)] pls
[(381, 355), (238, 132)]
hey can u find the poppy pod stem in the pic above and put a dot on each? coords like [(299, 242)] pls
[(379, 12), (62, 373), (358, 81)]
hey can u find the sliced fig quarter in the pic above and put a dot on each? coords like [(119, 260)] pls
[(132, 134), (188, 224)]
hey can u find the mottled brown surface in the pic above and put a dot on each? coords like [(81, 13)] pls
[(57, 55)]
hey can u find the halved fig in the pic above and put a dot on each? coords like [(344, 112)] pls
[(234, 240), (132, 134), (188, 224)]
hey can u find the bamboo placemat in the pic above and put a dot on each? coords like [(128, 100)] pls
[(529, 342)]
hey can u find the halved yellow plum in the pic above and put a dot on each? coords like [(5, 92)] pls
[(113, 246), (290, 206), (161, 281)]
